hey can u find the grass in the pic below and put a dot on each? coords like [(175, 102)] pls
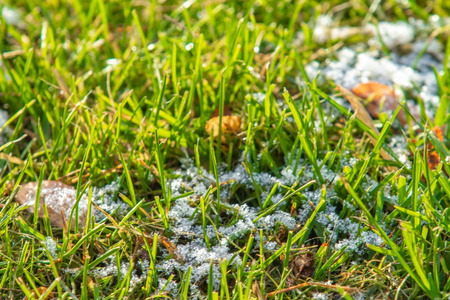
[(122, 90)]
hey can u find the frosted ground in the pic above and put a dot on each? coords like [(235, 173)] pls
[(352, 65)]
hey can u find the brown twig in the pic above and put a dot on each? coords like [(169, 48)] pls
[(317, 284)]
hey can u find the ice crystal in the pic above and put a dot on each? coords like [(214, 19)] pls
[(11, 16), (4, 117), (104, 197), (259, 97), (51, 247), (392, 34), (358, 64), (164, 286), (111, 65), (110, 269), (320, 296)]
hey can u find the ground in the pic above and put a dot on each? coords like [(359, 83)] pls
[(216, 149)]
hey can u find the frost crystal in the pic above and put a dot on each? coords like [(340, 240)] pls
[(320, 296), (104, 198), (4, 117), (110, 269), (359, 65), (259, 97), (111, 65), (51, 247), (11, 16), (59, 199), (392, 34), (164, 286)]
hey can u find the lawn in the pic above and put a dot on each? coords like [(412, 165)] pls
[(224, 149)]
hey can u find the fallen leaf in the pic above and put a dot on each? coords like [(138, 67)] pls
[(59, 199), (379, 95), (42, 290), (433, 158), (382, 98), (230, 124), (161, 239), (312, 284), (170, 247), (438, 131), (363, 116), (302, 265), (257, 290), (226, 111), (282, 235)]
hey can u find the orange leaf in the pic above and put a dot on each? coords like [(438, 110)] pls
[(170, 247), (363, 115), (433, 158), (226, 111), (380, 95), (42, 290), (437, 130), (230, 124)]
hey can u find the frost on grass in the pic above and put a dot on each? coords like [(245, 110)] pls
[(196, 255), (189, 235), (320, 296), (400, 55), (194, 251), (51, 247), (11, 16), (60, 199), (409, 64), (106, 198), (259, 97), (137, 276), (165, 286), (391, 34), (111, 65), (6, 132), (354, 243)]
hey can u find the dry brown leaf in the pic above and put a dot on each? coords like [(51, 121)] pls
[(433, 159), (312, 284), (59, 199), (226, 111), (230, 124), (61, 82), (42, 290), (170, 247), (302, 265), (363, 115), (358, 108), (257, 290), (11, 159), (282, 235), (161, 239)]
